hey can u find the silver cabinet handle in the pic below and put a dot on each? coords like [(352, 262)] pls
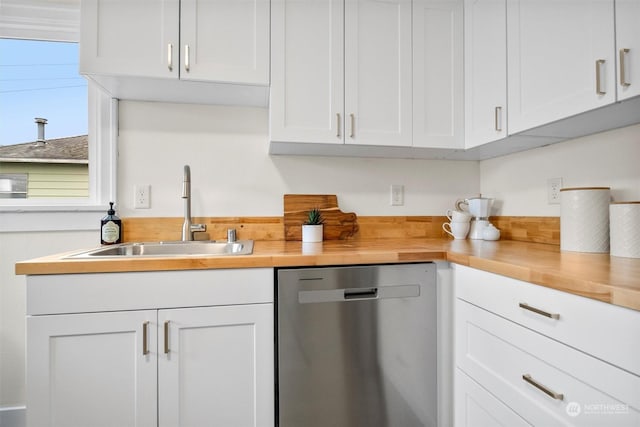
[(353, 125), (599, 64), (187, 66), (538, 311), (544, 389), (623, 78), (166, 337), (498, 119), (170, 56), (145, 338), (338, 124)]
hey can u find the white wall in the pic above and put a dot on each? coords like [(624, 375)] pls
[(609, 159), (233, 174), (16, 247)]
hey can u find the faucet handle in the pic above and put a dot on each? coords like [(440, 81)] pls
[(198, 227), (231, 235)]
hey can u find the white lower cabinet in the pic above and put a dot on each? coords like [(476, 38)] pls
[(214, 366), (475, 406), (528, 370), (195, 366), (90, 370)]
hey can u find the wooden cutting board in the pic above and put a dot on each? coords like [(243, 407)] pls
[(337, 224)]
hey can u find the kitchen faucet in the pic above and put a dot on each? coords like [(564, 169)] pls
[(187, 227)]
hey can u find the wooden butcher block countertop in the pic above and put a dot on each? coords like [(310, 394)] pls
[(597, 276)]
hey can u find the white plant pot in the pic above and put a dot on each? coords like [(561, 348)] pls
[(311, 248), (312, 233)]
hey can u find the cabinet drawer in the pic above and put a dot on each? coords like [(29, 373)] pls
[(603, 330), (475, 406), (497, 353)]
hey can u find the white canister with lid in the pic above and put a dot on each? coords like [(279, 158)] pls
[(584, 219), (624, 219)]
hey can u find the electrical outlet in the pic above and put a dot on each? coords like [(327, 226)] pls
[(142, 196), (553, 191), (397, 195)]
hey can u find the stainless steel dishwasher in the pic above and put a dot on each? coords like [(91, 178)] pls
[(356, 346)]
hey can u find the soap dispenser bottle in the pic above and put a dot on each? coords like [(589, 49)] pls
[(111, 228)]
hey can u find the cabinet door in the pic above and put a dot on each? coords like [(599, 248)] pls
[(628, 45), (217, 366), (225, 40), (92, 370), (378, 70), (485, 71), (307, 66), (560, 59), (475, 406), (130, 37), (438, 74)]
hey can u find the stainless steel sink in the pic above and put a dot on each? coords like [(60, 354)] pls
[(173, 249)]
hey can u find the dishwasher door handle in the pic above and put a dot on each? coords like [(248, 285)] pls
[(354, 294), (360, 293)]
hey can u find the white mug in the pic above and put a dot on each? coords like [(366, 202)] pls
[(458, 216), (458, 230), (490, 232)]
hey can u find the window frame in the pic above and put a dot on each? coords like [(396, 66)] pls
[(12, 177), (31, 20)]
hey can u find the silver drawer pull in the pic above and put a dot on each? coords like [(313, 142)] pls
[(166, 337), (145, 339), (538, 311), (623, 78), (187, 64), (498, 119), (352, 134), (599, 65), (547, 391)]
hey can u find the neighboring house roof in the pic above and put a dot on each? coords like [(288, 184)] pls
[(71, 149)]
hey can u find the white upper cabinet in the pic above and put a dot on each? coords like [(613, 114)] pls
[(438, 95), (307, 71), (485, 71), (628, 46), (378, 64), (225, 40), (560, 59), (137, 37), (341, 71), (156, 49)]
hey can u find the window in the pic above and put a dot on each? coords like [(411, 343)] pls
[(43, 117), (53, 21), (13, 186)]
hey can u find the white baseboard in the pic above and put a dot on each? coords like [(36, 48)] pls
[(13, 416)]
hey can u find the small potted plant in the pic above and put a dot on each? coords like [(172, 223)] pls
[(313, 227)]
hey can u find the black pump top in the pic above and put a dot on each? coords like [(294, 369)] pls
[(111, 211)]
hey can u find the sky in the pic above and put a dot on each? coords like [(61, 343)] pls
[(40, 79)]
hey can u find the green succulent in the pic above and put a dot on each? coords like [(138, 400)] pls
[(314, 217)]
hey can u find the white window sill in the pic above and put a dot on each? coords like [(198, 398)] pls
[(50, 218)]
